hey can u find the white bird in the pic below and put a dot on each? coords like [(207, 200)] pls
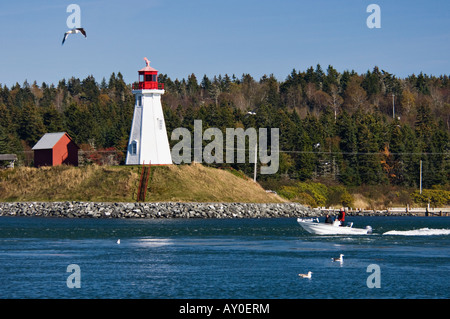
[(308, 275), (73, 31), (340, 259), (118, 241)]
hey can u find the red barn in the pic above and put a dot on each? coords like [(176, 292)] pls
[(55, 149)]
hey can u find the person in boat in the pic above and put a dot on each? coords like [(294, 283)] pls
[(341, 216), (328, 219)]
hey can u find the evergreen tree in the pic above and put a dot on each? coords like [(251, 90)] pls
[(369, 162), (319, 77), (103, 85), (310, 76), (225, 83), (78, 123), (205, 86), (424, 123), (192, 85), (5, 118), (394, 163), (31, 127), (89, 89), (74, 86), (349, 168), (372, 82), (305, 161), (332, 78), (52, 119), (412, 156), (5, 142), (5, 96), (439, 156), (422, 84)]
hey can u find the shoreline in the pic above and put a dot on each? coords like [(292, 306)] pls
[(153, 210)]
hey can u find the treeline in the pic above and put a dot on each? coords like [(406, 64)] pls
[(371, 128), (96, 115)]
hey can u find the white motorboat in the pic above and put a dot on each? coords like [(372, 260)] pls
[(313, 226)]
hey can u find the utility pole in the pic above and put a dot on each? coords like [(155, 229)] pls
[(420, 182), (393, 106), (256, 152)]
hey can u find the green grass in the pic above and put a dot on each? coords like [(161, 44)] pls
[(60, 183), (185, 183), (196, 182)]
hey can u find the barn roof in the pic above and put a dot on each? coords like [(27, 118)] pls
[(48, 141)]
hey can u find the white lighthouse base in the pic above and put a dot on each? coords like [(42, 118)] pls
[(148, 143)]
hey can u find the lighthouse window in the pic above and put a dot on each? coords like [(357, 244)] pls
[(148, 77), (133, 148)]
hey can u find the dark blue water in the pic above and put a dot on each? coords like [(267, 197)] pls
[(215, 258)]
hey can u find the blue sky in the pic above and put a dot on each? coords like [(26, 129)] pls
[(212, 37)]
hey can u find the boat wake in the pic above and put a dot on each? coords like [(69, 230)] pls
[(419, 232)]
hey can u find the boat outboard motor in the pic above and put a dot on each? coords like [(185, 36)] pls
[(369, 229)]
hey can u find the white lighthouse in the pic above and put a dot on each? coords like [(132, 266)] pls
[(148, 142)]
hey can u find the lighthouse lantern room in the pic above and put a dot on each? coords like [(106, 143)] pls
[(148, 78), (148, 143)]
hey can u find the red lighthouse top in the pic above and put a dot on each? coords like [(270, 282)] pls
[(148, 79)]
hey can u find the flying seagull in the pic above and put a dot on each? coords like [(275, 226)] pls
[(75, 30)]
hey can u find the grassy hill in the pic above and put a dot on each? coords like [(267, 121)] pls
[(187, 183)]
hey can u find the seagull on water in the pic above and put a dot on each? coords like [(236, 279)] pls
[(118, 241), (73, 31), (340, 259), (308, 275)]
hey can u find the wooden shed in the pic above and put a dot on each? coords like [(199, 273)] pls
[(11, 158), (55, 149)]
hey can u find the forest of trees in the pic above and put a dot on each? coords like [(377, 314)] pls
[(356, 129)]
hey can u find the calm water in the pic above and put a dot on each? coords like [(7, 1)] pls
[(213, 258)]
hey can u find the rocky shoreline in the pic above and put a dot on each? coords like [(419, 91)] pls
[(167, 210)]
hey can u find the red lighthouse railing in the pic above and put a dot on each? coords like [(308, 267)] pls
[(148, 86)]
